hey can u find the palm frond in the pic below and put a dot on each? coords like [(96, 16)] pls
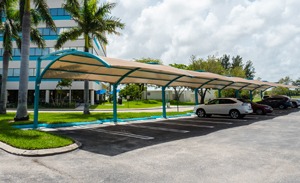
[(104, 9), (43, 9), (73, 8), (37, 38), (7, 41), (35, 17), (101, 38), (69, 35)]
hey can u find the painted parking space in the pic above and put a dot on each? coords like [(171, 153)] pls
[(118, 133), (113, 139), (158, 128), (184, 124)]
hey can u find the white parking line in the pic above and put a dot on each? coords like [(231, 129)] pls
[(222, 119), (159, 128), (216, 122), (180, 124), (122, 134)]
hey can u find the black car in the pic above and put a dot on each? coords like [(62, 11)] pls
[(279, 101), (259, 109)]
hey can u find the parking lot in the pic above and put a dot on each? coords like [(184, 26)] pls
[(113, 139), (218, 149)]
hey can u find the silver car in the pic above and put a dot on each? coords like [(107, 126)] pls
[(224, 106)]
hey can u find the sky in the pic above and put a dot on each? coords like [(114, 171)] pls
[(267, 32)]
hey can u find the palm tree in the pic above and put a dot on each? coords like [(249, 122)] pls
[(93, 22), (41, 8), (9, 29)]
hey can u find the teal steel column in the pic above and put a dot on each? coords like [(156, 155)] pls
[(196, 96), (115, 85), (37, 93), (237, 93), (164, 95), (115, 117), (164, 101), (261, 94), (251, 96), (219, 93)]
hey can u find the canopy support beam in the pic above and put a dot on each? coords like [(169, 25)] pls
[(244, 86), (251, 96), (164, 95), (37, 93), (227, 85), (197, 89), (196, 96), (115, 85)]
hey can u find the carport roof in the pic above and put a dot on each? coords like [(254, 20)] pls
[(72, 64)]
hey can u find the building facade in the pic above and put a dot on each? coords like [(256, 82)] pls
[(48, 88)]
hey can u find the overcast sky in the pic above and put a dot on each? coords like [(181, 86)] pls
[(263, 31)]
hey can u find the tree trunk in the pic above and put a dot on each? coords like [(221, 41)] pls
[(86, 97), (202, 95), (24, 69), (3, 98), (86, 109)]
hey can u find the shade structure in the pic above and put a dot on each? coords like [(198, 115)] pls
[(72, 64), (77, 65), (81, 66), (202, 80)]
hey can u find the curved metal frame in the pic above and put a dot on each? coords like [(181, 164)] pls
[(39, 75)]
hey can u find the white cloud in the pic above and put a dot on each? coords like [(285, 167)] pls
[(265, 32)]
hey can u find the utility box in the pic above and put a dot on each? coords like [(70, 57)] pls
[(168, 105)]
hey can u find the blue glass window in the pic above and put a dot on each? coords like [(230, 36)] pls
[(53, 11), (31, 72), (46, 31), (17, 52), (16, 72), (32, 51), (52, 33), (60, 12), (10, 72), (38, 51)]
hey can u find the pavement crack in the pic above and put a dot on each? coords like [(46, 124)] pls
[(52, 168)]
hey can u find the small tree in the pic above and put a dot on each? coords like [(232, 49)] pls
[(211, 64), (131, 90), (63, 83)]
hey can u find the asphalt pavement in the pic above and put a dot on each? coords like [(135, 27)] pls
[(218, 149)]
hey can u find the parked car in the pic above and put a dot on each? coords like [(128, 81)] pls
[(295, 102), (224, 106), (259, 109), (278, 101)]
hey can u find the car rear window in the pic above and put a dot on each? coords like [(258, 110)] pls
[(226, 101)]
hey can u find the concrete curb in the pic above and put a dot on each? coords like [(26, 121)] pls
[(40, 152)]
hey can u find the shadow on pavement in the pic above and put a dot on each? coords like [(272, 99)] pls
[(113, 140)]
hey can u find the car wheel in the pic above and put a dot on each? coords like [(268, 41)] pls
[(200, 113), (259, 111), (281, 106), (234, 114)]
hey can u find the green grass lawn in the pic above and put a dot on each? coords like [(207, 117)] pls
[(65, 117), (35, 139), (130, 104), (30, 139)]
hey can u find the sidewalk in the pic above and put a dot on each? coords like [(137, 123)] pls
[(80, 108)]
